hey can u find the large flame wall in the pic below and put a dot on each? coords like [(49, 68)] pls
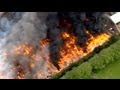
[(37, 45)]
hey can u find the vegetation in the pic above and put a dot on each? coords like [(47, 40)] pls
[(82, 71), (112, 71)]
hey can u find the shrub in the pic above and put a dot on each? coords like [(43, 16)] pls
[(85, 70), (82, 71), (97, 63)]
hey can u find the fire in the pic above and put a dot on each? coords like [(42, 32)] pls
[(24, 49), (72, 52), (65, 35), (96, 41), (44, 42), (69, 52)]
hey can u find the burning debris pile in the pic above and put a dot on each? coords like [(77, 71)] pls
[(39, 44)]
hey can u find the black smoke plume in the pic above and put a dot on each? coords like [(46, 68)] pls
[(79, 21), (17, 28)]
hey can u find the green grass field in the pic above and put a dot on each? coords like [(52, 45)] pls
[(105, 64), (112, 71)]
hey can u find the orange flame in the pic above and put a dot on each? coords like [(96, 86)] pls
[(69, 51), (72, 52), (24, 49), (44, 42)]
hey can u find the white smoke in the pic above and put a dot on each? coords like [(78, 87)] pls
[(29, 27)]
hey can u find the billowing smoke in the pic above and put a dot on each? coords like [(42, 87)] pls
[(17, 28), (75, 23), (29, 28)]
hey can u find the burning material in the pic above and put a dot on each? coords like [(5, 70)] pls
[(70, 52), (69, 37), (24, 49), (44, 42), (20, 71), (73, 52)]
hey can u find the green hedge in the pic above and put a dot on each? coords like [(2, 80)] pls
[(82, 71), (96, 63)]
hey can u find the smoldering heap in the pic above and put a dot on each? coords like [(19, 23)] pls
[(31, 42)]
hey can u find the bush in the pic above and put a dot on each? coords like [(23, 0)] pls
[(82, 71), (100, 60), (97, 63), (85, 70)]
